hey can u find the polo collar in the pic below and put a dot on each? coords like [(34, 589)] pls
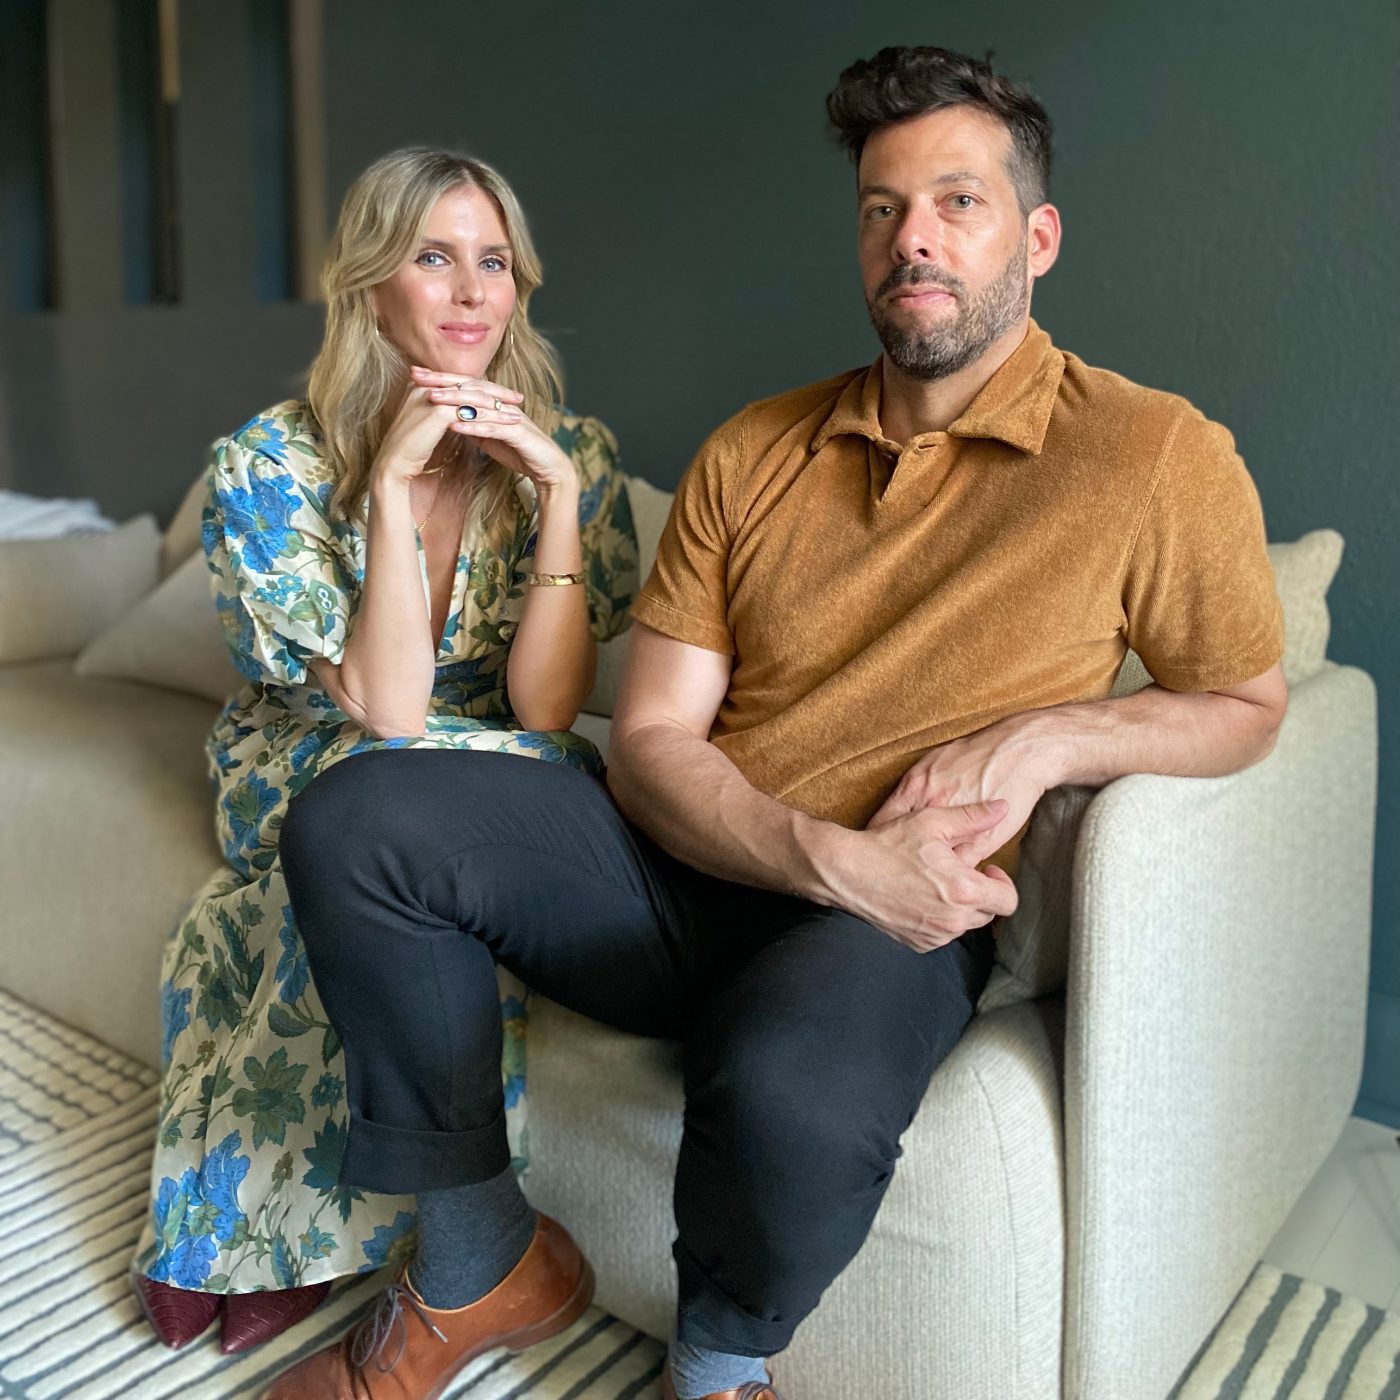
[(1013, 406)]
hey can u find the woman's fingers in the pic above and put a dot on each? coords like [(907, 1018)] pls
[(508, 427), (482, 401), (440, 379)]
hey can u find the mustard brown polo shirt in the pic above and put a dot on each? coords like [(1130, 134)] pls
[(880, 599)]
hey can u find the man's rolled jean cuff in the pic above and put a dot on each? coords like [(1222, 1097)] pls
[(402, 1161)]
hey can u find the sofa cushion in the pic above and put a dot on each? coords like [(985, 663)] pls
[(1033, 943), (972, 1228), (181, 538), (56, 595), (114, 834), (171, 639)]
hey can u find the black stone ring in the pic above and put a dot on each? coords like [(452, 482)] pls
[(466, 413)]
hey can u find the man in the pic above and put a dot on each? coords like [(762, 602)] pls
[(884, 618)]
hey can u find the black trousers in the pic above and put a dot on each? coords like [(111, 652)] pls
[(809, 1036)]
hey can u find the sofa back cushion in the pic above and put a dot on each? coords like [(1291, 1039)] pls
[(57, 594), (171, 639), (182, 535)]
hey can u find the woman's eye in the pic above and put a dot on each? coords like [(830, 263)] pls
[(494, 263), (430, 253)]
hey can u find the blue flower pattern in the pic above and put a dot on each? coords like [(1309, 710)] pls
[(193, 1216), (174, 1016), (245, 1039)]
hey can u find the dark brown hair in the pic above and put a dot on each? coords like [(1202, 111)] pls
[(903, 82)]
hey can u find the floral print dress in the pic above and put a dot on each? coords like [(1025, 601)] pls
[(245, 1182)]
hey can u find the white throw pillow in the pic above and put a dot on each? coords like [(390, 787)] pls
[(171, 639), (57, 594), (1033, 944)]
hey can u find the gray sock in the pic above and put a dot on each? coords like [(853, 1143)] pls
[(469, 1239), (698, 1371)]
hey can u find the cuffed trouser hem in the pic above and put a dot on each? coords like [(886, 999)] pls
[(407, 1160), (709, 1317)]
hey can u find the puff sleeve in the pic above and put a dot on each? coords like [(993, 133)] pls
[(284, 592)]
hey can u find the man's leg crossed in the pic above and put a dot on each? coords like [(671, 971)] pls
[(804, 1069)]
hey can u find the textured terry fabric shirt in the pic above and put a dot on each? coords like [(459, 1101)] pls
[(879, 600)]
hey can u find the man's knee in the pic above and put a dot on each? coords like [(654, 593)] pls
[(824, 1096)]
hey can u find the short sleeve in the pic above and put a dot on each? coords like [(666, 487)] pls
[(687, 594), (283, 592), (1199, 596)]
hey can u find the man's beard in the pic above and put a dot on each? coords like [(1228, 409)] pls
[(981, 319)]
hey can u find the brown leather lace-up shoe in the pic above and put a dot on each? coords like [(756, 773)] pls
[(754, 1390), (406, 1350)]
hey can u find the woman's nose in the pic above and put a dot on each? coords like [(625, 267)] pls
[(468, 287)]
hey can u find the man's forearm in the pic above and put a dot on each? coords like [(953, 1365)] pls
[(1203, 734), (694, 803)]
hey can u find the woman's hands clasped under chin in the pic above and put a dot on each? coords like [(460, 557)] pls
[(422, 425), (501, 428)]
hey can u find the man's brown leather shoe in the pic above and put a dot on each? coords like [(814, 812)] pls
[(754, 1390), (408, 1351)]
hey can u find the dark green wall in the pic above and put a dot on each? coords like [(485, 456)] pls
[(1229, 177)]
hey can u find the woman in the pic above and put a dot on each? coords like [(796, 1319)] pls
[(422, 553)]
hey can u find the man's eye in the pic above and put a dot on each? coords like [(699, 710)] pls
[(879, 211), (963, 201)]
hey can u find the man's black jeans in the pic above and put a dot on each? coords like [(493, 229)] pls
[(809, 1035)]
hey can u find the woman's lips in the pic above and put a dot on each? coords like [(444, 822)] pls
[(465, 333)]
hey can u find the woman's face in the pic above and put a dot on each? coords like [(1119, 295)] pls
[(448, 306)]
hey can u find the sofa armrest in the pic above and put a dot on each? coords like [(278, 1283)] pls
[(1215, 1027)]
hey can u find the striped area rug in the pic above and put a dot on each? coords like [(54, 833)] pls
[(1287, 1339), (77, 1121)]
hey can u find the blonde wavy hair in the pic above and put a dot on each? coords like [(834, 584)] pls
[(358, 374)]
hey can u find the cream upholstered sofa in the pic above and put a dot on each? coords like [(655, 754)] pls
[(1151, 1080)]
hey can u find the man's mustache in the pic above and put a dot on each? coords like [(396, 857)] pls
[(916, 274)]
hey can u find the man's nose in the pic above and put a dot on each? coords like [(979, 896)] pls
[(916, 238)]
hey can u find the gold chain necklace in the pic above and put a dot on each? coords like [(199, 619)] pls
[(421, 525)]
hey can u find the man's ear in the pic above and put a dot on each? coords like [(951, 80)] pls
[(1042, 239)]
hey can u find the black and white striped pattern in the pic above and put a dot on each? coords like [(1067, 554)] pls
[(1286, 1339), (77, 1123)]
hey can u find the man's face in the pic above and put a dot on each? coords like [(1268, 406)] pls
[(943, 243)]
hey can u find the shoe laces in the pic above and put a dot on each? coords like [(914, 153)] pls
[(387, 1319)]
